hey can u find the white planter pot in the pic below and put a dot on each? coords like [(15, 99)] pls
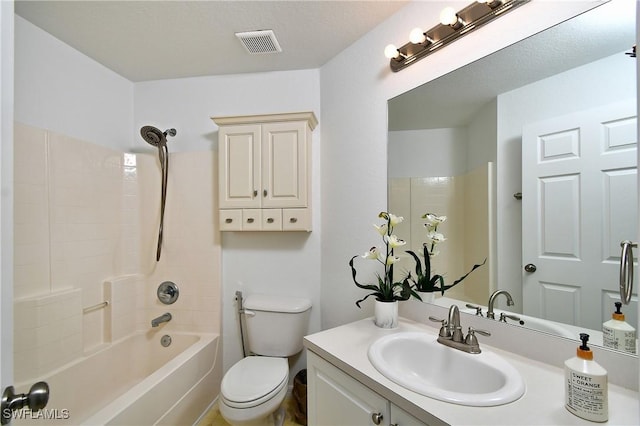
[(427, 297), (386, 314)]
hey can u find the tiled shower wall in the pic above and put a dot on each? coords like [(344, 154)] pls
[(86, 221), (466, 202)]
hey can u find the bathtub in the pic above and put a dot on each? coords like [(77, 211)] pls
[(136, 381)]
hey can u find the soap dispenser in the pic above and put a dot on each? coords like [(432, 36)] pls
[(586, 387), (618, 334)]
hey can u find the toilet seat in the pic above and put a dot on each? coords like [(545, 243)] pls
[(254, 380)]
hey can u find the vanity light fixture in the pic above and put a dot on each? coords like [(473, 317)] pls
[(452, 26)]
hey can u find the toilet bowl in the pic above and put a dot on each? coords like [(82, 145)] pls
[(253, 389)]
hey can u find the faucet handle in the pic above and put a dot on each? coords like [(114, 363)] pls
[(503, 317), (472, 340), (444, 329), (477, 308)]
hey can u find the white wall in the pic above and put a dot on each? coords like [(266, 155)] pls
[(274, 263), (64, 91), (355, 87), (428, 152)]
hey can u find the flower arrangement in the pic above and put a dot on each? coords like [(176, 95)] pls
[(423, 280), (386, 290)]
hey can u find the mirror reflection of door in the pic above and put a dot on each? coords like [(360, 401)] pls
[(579, 202)]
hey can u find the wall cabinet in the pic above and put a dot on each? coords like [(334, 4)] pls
[(265, 172), (335, 398)]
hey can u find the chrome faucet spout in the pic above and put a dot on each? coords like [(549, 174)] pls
[(492, 300), (454, 324), (166, 317)]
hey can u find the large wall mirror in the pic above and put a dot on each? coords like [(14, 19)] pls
[(531, 154)]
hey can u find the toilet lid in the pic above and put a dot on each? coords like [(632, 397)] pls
[(253, 378)]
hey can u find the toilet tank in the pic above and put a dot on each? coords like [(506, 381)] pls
[(276, 324)]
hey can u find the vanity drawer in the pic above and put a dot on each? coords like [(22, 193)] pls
[(251, 219), (296, 220), (231, 220), (272, 219)]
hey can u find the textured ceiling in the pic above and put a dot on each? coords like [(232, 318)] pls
[(152, 40)]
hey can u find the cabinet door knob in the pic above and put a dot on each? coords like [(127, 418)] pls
[(293, 220), (228, 220), (376, 418), (264, 193), (250, 220), (255, 192), (270, 220)]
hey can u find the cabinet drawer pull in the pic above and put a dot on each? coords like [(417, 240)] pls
[(228, 220), (270, 220), (293, 220), (376, 418), (250, 220)]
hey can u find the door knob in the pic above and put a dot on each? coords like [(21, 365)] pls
[(36, 399), (530, 267)]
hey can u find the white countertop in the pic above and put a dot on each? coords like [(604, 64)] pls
[(542, 404)]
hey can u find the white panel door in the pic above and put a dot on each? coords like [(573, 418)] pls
[(239, 162), (579, 202), (284, 165)]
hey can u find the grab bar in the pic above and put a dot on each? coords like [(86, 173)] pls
[(626, 271), (95, 307)]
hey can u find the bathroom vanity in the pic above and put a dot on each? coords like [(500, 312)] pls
[(345, 388)]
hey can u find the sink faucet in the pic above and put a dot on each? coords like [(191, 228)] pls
[(492, 300), (166, 317), (451, 333)]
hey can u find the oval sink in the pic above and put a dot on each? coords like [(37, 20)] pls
[(416, 361)]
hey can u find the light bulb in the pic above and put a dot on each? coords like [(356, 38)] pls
[(391, 51), (416, 36), (448, 16)]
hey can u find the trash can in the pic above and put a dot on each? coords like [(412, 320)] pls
[(300, 397)]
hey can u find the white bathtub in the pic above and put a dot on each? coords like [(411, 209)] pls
[(136, 381)]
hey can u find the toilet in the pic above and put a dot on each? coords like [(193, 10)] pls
[(253, 389)]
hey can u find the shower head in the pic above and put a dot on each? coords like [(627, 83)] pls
[(153, 135)]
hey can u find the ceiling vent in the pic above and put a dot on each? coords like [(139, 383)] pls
[(257, 42)]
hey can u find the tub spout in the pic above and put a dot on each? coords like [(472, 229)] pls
[(166, 317)]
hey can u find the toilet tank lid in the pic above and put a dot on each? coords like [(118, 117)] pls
[(270, 303)]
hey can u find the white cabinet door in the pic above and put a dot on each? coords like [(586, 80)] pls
[(399, 417), (334, 398), (240, 167), (284, 164)]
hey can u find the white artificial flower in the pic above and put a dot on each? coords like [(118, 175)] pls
[(392, 259), (394, 220), (433, 219), (435, 237), (373, 253), (393, 241), (382, 229)]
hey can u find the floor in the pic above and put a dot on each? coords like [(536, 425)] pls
[(214, 418)]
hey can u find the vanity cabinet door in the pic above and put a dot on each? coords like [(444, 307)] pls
[(399, 417), (284, 164), (334, 398), (239, 163)]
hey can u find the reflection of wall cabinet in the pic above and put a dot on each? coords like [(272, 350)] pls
[(265, 172), (335, 398)]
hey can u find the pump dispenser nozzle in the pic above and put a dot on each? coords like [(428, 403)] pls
[(618, 315), (584, 351)]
